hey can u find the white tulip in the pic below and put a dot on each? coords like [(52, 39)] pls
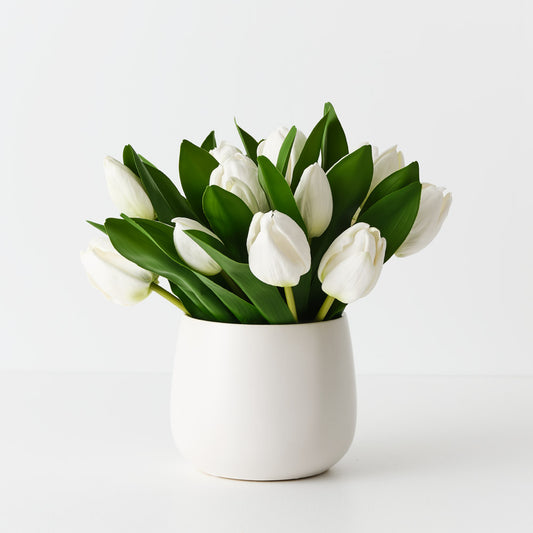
[(352, 264), (223, 151), (121, 281), (271, 145), (385, 164), (434, 206), (238, 174), (314, 200), (126, 190), (191, 252), (278, 250)]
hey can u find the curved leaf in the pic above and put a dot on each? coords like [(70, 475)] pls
[(209, 142), (195, 167), (310, 152), (396, 181), (266, 298), (136, 245), (229, 217), (285, 151), (249, 143), (334, 144), (278, 191), (394, 215)]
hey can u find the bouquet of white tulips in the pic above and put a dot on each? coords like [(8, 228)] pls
[(291, 229)]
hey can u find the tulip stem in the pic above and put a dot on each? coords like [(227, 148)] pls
[(168, 296), (323, 311), (289, 296)]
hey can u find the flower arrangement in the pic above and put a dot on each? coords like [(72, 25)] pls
[(294, 229)]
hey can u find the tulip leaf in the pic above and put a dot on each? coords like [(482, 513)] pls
[(162, 236), (278, 191), (266, 298), (249, 143), (195, 167), (394, 215), (179, 205), (209, 143), (131, 239), (127, 158), (396, 181), (310, 152), (285, 151), (229, 217), (334, 144), (101, 227), (165, 197)]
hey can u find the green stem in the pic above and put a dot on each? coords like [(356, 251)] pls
[(168, 296), (289, 296), (323, 311)]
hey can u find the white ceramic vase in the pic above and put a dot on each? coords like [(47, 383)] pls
[(263, 402)]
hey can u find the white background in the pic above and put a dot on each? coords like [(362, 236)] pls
[(85, 443), (450, 82)]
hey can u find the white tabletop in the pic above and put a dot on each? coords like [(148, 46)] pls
[(93, 453)]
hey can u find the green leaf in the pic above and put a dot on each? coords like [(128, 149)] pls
[(310, 152), (249, 143), (165, 197), (134, 241), (195, 167), (334, 144), (229, 217), (266, 298), (396, 181), (101, 227), (162, 236), (285, 151), (127, 158), (178, 205), (394, 215), (278, 191), (209, 143)]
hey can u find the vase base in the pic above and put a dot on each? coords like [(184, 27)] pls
[(266, 479)]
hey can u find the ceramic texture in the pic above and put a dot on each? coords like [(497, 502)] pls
[(263, 402)]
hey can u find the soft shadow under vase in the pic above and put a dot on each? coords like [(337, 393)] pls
[(263, 402)]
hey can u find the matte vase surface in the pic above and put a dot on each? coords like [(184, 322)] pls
[(263, 402)]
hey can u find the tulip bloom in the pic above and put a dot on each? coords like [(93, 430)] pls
[(352, 264), (434, 206), (278, 252), (314, 200), (238, 174), (278, 249), (271, 145), (121, 281), (224, 151), (126, 190), (191, 252)]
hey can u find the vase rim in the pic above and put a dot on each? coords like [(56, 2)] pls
[(243, 325)]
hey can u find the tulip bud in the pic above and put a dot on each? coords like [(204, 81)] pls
[(191, 252), (126, 190), (224, 151), (314, 200), (434, 206), (387, 163), (352, 264), (238, 174), (278, 250), (270, 148), (121, 281)]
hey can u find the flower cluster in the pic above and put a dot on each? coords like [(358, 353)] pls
[(292, 229)]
